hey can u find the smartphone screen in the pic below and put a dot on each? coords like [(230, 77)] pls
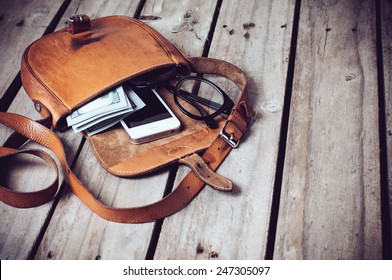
[(152, 112)]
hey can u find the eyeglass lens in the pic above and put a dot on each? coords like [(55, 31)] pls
[(199, 97)]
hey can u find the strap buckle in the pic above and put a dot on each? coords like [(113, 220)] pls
[(78, 23), (229, 138)]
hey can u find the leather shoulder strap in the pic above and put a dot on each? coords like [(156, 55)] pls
[(190, 186)]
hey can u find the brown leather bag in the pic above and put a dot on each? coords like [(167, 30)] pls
[(64, 70)]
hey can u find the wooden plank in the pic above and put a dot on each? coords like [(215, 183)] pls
[(185, 23), (96, 9), (255, 35), (24, 226), (30, 220), (74, 232), (386, 29), (330, 200), (21, 22)]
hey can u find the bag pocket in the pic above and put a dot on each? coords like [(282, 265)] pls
[(119, 156)]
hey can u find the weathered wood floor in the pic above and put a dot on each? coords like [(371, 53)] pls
[(311, 176)]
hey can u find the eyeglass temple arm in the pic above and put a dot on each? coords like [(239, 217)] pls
[(192, 98), (204, 101), (191, 101)]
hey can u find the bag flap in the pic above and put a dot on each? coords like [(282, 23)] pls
[(62, 71)]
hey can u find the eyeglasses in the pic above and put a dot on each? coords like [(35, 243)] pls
[(195, 96), (201, 99)]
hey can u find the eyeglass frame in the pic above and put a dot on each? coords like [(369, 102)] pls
[(192, 99), (225, 108)]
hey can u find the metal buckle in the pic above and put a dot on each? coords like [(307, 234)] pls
[(78, 23), (229, 138)]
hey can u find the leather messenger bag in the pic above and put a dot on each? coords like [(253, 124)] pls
[(67, 69)]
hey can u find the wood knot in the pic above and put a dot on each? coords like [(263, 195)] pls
[(199, 249), (50, 254)]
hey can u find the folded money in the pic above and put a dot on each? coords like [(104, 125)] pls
[(137, 104), (105, 111)]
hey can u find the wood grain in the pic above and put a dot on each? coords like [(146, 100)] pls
[(19, 228), (185, 23), (330, 202), (386, 29), (21, 22), (255, 36), (84, 235), (96, 9), (329, 205), (75, 232)]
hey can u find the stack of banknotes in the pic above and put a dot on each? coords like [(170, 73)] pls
[(105, 111)]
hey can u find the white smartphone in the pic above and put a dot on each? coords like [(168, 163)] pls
[(153, 121)]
